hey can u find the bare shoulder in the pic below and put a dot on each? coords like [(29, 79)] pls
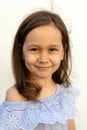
[(12, 94)]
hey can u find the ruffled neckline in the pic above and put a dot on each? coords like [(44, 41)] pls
[(56, 108)]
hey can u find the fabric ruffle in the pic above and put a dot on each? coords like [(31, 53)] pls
[(27, 115)]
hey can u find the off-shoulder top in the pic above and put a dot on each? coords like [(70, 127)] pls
[(49, 114)]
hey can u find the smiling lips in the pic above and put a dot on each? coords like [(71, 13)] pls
[(43, 68)]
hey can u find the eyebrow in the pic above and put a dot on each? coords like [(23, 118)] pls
[(53, 45)]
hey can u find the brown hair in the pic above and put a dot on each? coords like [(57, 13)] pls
[(61, 76)]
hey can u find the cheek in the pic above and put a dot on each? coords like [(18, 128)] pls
[(57, 59), (28, 63), (28, 59), (57, 65), (57, 62)]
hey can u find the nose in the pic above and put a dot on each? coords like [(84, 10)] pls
[(43, 58)]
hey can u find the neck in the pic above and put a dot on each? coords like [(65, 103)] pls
[(44, 82), (48, 86)]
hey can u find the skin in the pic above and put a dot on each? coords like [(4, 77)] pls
[(42, 52)]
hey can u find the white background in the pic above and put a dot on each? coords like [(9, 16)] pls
[(73, 12)]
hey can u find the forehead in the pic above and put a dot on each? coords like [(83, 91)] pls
[(44, 34)]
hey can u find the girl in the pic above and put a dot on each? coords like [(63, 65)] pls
[(42, 97)]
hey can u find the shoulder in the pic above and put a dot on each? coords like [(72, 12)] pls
[(12, 94), (68, 100), (70, 91), (69, 94)]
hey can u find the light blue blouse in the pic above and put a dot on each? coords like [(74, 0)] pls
[(29, 115)]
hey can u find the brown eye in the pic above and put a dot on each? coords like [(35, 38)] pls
[(34, 49), (53, 49)]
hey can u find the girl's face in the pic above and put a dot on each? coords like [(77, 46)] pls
[(43, 51)]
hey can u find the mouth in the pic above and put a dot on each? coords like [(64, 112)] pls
[(43, 67)]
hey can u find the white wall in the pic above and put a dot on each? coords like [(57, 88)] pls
[(12, 12)]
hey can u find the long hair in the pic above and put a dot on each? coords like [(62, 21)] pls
[(61, 76)]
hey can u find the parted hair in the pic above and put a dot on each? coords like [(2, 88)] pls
[(28, 89)]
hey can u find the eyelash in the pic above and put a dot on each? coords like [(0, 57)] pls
[(53, 49), (34, 49), (37, 49)]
